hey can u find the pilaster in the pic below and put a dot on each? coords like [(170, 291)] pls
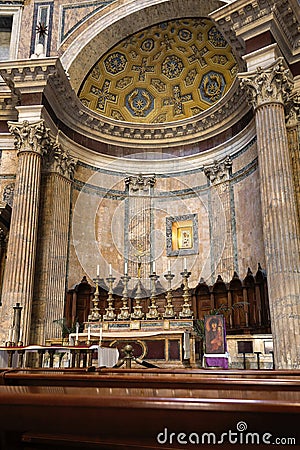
[(49, 296), (218, 174)]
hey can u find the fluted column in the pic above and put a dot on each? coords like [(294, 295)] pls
[(31, 140), (49, 297), (268, 90)]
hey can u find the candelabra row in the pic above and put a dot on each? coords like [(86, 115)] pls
[(138, 314)]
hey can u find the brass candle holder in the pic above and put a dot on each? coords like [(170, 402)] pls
[(110, 310), (153, 312), (95, 312), (186, 312), (169, 307), (137, 313), (124, 311)]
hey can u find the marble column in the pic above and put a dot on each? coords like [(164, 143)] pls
[(31, 142), (268, 90), (49, 296)]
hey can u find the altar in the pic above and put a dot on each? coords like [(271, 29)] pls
[(165, 343)]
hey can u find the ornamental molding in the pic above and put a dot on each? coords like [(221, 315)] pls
[(273, 84), (48, 76), (245, 18), (25, 77), (30, 136), (110, 130), (219, 171)]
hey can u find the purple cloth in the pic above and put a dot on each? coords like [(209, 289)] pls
[(217, 362)]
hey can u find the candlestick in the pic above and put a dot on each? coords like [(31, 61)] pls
[(169, 266), (98, 270), (109, 311), (169, 307), (184, 264), (110, 270), (125, 268), (153, 267), (124, 311), (186, 307), (77, 331), (100, 335)]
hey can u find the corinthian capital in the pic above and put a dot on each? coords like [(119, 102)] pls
[(268, 85), (30, 136), (59, 160), (140, 182), (293, 110), (219, 171)]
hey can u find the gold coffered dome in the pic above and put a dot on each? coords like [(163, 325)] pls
[(167, 72)]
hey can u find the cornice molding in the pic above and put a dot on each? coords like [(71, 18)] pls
[(47, 76), (251, 18)]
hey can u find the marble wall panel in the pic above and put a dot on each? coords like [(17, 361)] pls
[(249, 233), (9, 161)]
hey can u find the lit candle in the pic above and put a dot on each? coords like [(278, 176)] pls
[(89, 332), (169, 266), (125, 269), (98, 270), (110, 270), (153, 266), (184, 262)]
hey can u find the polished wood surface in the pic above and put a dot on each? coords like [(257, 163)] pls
[(107, 409)]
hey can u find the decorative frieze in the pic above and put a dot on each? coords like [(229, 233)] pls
[(268, 85)]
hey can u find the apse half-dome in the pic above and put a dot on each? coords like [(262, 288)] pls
[(165, 73)]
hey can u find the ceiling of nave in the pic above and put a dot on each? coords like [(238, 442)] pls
[(167, 72)]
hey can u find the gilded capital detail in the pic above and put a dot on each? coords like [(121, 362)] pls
[(30, 136), (268, 85)]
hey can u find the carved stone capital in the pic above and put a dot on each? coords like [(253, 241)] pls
[(268, 85), (30, 136), (140, 182), (219, 171), (59, 161), (293, 110)]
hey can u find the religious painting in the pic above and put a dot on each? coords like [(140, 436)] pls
[(182, 235), (185, 237), (214, 334)]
